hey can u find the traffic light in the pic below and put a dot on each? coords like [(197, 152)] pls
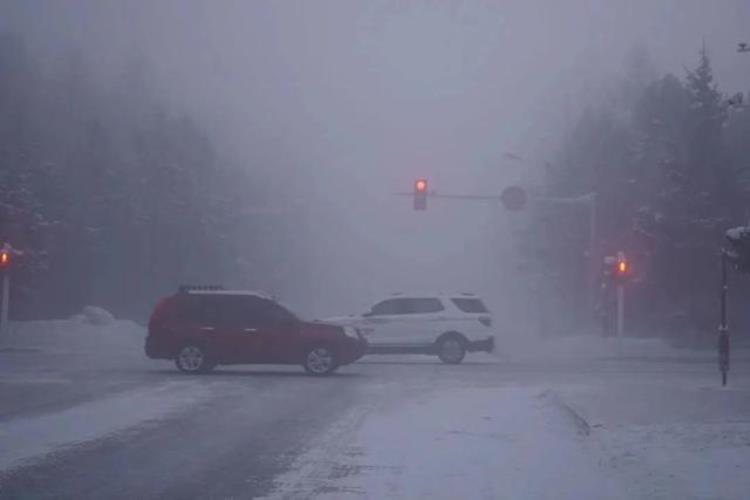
[(738, 252), (420, 194), (622, 267), (5, 259), (617, 268)]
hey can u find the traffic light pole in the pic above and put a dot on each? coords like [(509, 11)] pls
[(723, 344), (620, 314), (4, 307)]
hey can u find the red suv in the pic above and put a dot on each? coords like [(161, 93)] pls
[(202, 327)]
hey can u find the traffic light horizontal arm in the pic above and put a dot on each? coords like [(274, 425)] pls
[(456, 196), (586, 199), (581, 200)]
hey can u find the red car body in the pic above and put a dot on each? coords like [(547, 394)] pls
[(220, 327)]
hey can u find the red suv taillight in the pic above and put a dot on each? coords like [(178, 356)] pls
[(486, 321)]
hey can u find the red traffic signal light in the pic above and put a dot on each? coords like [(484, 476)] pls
[(622, 267), (617, 268), (420, 194), (4, 259)]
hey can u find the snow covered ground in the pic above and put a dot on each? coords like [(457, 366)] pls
[(474, 443), (546, 419), (527, 443), (586, 347), (24, 439), (59, 370)]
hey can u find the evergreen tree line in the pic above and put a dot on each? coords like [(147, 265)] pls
[(114, 197), (669, 160)]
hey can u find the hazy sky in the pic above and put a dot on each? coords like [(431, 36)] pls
[(357, 98)]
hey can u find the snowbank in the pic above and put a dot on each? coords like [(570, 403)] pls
[(94, 316), (102, 334)]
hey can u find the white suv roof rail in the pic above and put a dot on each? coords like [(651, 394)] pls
[(434, 294)]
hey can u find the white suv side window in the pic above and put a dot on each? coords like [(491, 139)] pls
[(385, 308), (421, 306), (407, 306)]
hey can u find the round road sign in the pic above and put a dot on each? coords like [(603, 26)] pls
[(514, 198)]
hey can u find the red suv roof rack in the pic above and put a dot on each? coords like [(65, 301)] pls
[(192, 288)]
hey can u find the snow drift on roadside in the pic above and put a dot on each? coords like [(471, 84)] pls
[(76, 335)]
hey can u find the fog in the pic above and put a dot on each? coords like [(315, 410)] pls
[(343, 104), (152, 149)]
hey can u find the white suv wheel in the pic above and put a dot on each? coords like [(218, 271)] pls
[(451, 350)]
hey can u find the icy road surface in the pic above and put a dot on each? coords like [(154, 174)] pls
[(77, 426)]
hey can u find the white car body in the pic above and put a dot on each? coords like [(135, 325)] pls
[(422, 323)]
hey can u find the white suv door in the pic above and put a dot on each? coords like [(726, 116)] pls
[(404, 321), (380, 324)]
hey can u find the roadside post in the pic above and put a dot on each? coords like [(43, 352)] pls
[(616, 272), (6, 258), (736, 254), (622, 269), (723, 345)]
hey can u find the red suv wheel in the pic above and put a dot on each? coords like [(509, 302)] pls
[(320, 360), (193, 358)]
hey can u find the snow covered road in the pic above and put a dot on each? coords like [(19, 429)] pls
[(489, 443), (386, 427)]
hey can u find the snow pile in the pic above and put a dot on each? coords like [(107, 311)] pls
[(93, 315), (96, 332), (477, 443)]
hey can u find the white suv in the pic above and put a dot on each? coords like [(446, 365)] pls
[(446, 325)]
